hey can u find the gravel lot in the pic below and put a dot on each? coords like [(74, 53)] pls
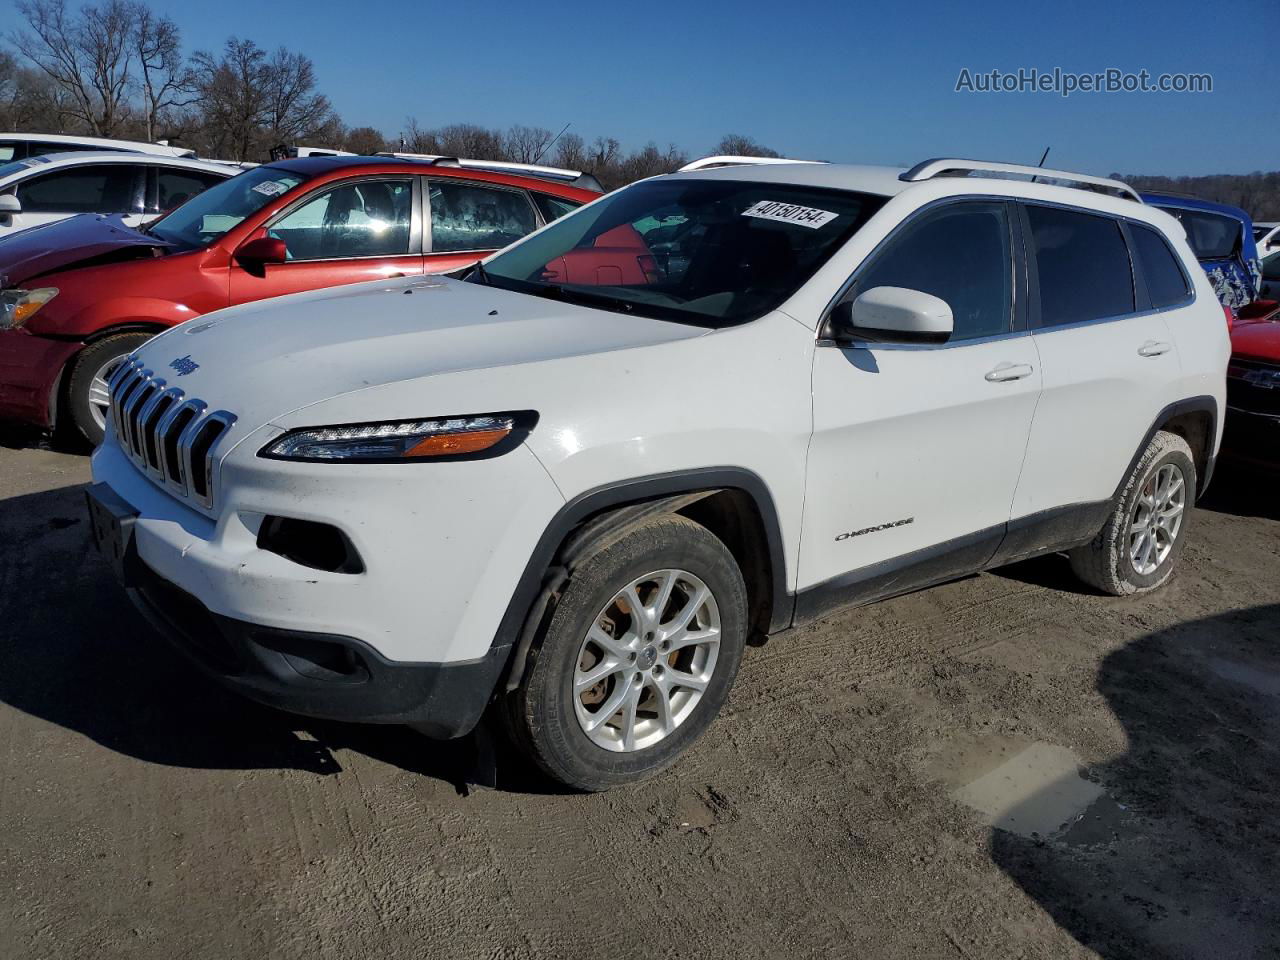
[(841, 807)]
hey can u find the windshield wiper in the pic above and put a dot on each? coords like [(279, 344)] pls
[(479, 271), (555, 291)]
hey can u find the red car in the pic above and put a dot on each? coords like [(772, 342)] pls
[(79, 295), (1252, 431)]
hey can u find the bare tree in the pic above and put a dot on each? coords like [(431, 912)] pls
[(414, 139), (736, 145), (526, 144), (294, 111), (167, 81), (571, 152), (88, 56)]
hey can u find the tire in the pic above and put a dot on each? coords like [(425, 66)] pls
[(1108, 561), (77, 419), (547, 721)]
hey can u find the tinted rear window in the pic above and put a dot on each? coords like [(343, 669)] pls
[(1083, 264), (1211, 236), (1166, 282)]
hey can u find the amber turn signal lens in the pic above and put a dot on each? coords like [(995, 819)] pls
[(447, 444)]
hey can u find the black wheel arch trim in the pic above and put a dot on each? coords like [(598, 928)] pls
[(544, 574), (1202, 404)]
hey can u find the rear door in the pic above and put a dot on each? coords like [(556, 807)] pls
[(916, 449), (1109, 361), (84, 188), (356, 230), (468, 220)]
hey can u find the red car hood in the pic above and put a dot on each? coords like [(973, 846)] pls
[(1257, 341), (76, 241)]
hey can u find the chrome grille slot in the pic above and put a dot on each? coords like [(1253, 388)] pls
[(169, 437), (151, 420)]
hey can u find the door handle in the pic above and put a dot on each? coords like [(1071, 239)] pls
[(1010, 371), (1153, 348)]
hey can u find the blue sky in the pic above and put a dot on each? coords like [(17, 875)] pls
[(836, 81)]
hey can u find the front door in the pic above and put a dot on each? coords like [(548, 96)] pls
[(916, 449), (357, 230), (84, 188)]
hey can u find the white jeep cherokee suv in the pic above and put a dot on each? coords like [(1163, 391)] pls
[(707, 407)]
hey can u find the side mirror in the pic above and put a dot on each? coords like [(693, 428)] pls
[(9, 204), (892, 315), (261, 251)]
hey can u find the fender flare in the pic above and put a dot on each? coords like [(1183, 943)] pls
[(1201, 404), (667, 492)]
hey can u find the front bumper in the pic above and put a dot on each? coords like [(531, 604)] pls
[(30, 367), (318, 675)]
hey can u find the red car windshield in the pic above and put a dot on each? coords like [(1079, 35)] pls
[(707, 252), (207, 216)]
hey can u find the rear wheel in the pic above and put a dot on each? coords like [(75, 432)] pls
[(1140, 544), (85, 415), (637, 659)]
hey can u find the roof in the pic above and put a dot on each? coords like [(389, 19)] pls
[(1195, 203), (317, 166), (135, 146), (840, 176), (74, 157)]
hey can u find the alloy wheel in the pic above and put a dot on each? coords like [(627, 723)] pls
[(646, 660), (1156, 519)]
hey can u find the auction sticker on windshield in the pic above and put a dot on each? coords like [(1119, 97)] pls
[(272, 188), (810, 217)]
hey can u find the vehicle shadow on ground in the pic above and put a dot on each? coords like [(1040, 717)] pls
[(1242, 491), (1178, 858), (74, 651)]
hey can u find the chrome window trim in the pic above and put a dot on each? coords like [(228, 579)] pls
[(1015, 290)]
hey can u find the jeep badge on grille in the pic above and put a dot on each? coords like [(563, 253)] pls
[(184, 365)]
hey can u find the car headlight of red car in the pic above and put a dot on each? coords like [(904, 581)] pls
[(19, 306)]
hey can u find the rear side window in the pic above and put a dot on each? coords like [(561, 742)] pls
[(1083, 266), (468, 217), (960, 254), (103, 188), (553, 208), (1166, 282), (176, 187)]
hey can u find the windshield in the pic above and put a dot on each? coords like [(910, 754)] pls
[(708, 252), (210, 214)]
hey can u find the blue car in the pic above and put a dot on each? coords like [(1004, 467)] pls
[(1221, 236)]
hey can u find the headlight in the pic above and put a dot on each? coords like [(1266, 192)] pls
[(397, 441), (19, 306)]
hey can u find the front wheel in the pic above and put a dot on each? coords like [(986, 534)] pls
[(85, 415), (637, 660), (1139, 546)]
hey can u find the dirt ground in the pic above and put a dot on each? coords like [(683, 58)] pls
[(1127, 752)]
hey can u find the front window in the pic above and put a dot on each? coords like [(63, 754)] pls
[(708, 252), (368, 218), (209, 215)]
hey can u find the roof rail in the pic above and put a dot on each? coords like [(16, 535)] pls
[(710, 163), (953, 167), (574, 178)]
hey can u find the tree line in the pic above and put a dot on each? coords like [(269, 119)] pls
[(116, 68)]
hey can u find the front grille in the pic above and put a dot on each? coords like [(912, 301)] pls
[(171, 437), (1254, 387)]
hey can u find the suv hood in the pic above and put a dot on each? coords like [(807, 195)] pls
[(263, 360), (76, 241), (1259, 340)]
